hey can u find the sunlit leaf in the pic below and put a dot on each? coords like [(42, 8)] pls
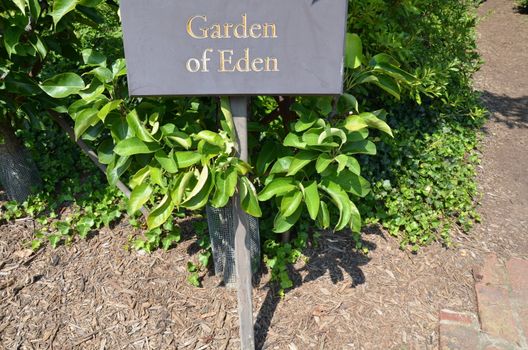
[(63, 85)]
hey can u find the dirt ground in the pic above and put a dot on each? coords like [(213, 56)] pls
[(96, 294)]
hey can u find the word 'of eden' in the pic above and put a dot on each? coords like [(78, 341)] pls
[(228, 63), (199, 28)]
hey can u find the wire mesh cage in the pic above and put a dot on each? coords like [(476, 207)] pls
[(222, 232)]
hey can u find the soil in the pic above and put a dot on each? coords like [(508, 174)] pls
[(96, 294)]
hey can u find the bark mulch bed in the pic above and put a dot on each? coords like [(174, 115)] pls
[(96, 294)]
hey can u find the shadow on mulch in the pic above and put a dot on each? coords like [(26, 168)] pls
[(521, 10), (514, 111), (335, 255)]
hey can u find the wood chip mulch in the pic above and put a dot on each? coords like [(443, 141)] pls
[(96, 294)]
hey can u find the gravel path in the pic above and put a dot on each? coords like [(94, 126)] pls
[(503, 80)]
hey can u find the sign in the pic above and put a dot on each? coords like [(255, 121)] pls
[(234, 47)]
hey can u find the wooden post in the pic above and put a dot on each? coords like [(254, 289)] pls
[(239, 108)]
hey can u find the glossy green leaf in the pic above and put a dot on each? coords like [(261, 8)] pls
[(282, 224), (107, 108), (355, 123), (119, 127), (355, 220), (21, 4), (37, 43), (211, 137), (389, 85), (324, 216), (341, 201), (179, 192), (342, 161), (225, 185), (351, 183), (307, 119), (186, 159), (167, 162), (139, 196), (294, 141), (117, 168), (161, 213), (312, 199), (156, 176), (248, 198), (90, 3), (277, 187), (360, 147), (290, 202), (384, 58), (353, 165), (346, 104), (61, 8), (84, 120), (173, 134), (102, 73), (358, 135), (11, 39), (374, 122), (93, 58), (198, 199), (63, 85), (300, 160), (353, 51), (325, 104), (139, 129), (202, 180), (119, 68), (282, 165), (332, 132), (105, 151), (133, 145), (140, 177), (323, 161), (34, 8), (242, 167), (92, 91), (395, 72), (225, 106)]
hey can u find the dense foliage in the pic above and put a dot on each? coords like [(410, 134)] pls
[(395, 148), (523, 5)]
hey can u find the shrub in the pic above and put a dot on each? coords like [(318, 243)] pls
[(409, 65)]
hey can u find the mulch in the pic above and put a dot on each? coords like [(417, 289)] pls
[(98, 294)]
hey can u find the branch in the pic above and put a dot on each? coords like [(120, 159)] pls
[(92, 155)]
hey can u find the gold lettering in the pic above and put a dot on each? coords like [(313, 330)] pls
[(190, 28), (216, 31), (242, 64), (258, 28), (227, 30), (269, 62), (270, 27), (254, 66), (242, 26), (224, 60), (193, 65)]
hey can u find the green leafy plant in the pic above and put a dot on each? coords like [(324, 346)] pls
[(311, 161)]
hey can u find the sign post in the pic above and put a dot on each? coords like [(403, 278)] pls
[(235, 48), (239, 108)]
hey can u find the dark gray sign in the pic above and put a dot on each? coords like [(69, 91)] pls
[(234, 47)]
